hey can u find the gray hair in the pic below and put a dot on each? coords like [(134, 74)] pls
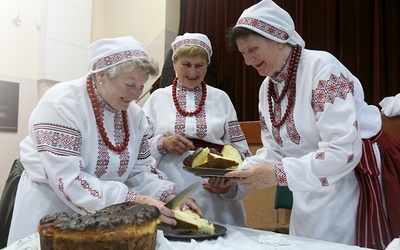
[(148, 66)]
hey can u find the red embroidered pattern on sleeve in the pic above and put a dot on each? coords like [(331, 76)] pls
[(166, 193), (62, 190), (160, 147), (235, 132), (328, 90), (131, 196), (57, 139), (144, 149), (85, 185), (324, 181), (154, 171), (280, 175)]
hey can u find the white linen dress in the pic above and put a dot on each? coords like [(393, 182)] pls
[(216, 123), (69, 168), (319, 145)]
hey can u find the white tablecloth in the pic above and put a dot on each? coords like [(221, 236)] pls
[(235, 238)]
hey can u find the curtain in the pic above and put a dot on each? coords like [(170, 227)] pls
[(363, 35)]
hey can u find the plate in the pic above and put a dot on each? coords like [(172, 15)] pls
[(208, 172), (188, 234)]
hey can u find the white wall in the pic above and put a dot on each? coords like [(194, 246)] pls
[(152, 22), (18, 63), (64, 36)]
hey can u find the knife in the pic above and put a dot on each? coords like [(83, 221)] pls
[(186, 193)]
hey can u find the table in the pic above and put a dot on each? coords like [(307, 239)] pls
[(235, 238)]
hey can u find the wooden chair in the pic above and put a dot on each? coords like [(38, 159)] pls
[(269, 201), (283, 200)]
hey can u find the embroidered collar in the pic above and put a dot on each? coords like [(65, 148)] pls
[(283, 74)]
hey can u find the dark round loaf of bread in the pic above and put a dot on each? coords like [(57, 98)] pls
[(127, 225)]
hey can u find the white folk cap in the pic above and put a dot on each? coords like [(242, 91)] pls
[(108, 52), (196, 39), (271, 21)]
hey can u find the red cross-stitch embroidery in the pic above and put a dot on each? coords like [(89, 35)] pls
[(324, 181), (328, 90), (320, 155)]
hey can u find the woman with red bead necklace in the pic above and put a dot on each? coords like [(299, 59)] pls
[(317, 132), (87, 146), (191, 114)]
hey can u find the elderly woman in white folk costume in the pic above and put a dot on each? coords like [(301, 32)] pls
[(191, 114), (87, 146), (317, 132)]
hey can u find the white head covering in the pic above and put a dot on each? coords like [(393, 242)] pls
[(271, 21), (108, 52), (195, 39)]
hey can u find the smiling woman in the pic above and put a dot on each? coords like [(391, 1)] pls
[(123, 88), (87, 146), (195, 114), (326, 161)]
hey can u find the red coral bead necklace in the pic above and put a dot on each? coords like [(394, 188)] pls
[(100, 125), (289, 89), (201, 103)]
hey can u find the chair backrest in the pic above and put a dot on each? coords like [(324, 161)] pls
[(283, 197), (7, 201), (262, 201), (252, 131)]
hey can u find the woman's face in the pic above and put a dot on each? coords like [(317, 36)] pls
[(261, 53), (124, 88), (191, 71)]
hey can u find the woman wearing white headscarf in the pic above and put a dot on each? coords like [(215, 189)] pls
[(317, 132), (87, 146), (191, 114)]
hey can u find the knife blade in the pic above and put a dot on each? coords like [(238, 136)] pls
[(186, 193)]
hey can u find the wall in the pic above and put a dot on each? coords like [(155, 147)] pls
[(152, 22), (18, 63)]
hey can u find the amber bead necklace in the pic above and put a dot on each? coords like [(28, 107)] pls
[(199, 107), (103, 133), (289, 89)]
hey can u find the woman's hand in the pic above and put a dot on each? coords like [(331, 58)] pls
[(188, 203), (177, 144), (260, 176), (167, 216), (191, 204), (217, 185)]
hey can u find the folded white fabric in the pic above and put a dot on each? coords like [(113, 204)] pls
[(275, 240), (391, 105), (31, 242), (394, 245)]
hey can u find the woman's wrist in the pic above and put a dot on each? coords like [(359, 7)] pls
[(131, 196), (280, 175), (166, 195), (160, 146)]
